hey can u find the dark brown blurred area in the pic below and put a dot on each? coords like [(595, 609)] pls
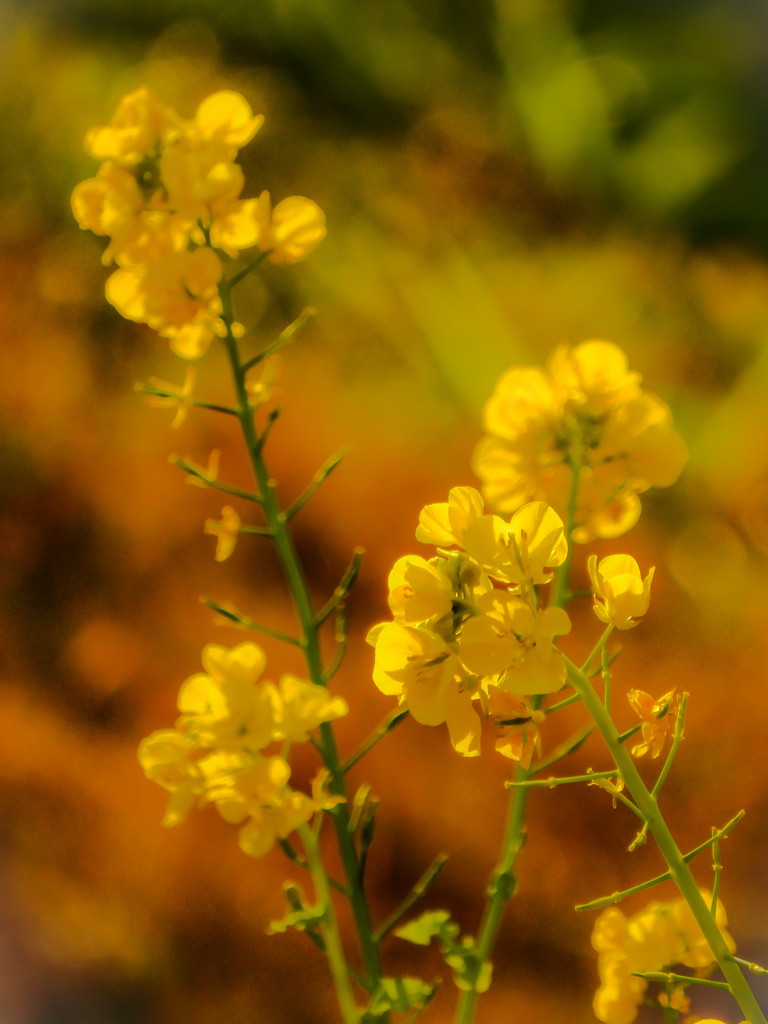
[(498, 178)]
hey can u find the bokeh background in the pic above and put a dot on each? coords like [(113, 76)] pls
[(499, 176)]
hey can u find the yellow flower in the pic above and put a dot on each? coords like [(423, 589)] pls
[(303, 706), (656, 720), (424, 672), (108, 204), (134, 131), (227, 529), (290, 231), (516, 726), (593, 376), (321, 795), (522, 550), (226, 117), (166, 757), (446, 523), (524, 402), (268, 824), (418, 591), (619, 997), (207, 473), (638, 446), (198, 176), (509, 641), (176, 295), (236, 227), (620, 593), (155, 234), (226, 707), (177, 398)]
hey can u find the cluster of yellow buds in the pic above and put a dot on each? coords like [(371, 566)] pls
[(167, 195), (658, 936), (218, 751), (585, 411), (456, 638)]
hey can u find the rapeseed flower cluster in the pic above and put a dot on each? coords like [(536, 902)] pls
[(457, 639), (660, 935), (218, 752), (167, 195), (584, 412)]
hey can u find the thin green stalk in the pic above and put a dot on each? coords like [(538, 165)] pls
[(330, 929), (310, 643), (688, 979), (678, 869)]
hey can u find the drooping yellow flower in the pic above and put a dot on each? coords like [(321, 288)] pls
[(509, 641), (621, 595), (420, 668), (134, 131), (292, 230), (418, 591), (226, 116), (446, 523), (166, 757), (303, 706), (226, 707), (516, 726), (657, 720), (522, 550), (227, 529)]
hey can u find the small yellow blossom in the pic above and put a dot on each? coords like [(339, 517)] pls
[(199, 179), (226, 707), (303, 706), (292, 230), (227, 529), (508, 640), (425, 673), (593, 376), (109, 204), (418, 590), (677, 1000), (522, 550), (177, 398), (134, 131), (166, 757), (516, 726), (226, 117), (620, 593), (446, 523), (656, 720), (268, 824)]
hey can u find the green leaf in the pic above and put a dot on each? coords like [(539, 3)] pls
[(431, 924)]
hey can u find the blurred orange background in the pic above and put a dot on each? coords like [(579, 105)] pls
[(498, 178)]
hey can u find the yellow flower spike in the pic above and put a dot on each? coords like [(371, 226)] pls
[(180, 398), (522, 550), (657, 720), (292, 230), (510, 641), (209, 472), (165, 757), (321, 796), (418, 591), (227, 116), (226, 529), (303, 706), (620, 593), (516, 726), (134, 131), (420, 668), (446, 523)]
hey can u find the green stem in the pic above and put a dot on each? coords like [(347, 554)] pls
[(678, 869), (330, 929), (310, 643), (662, 978)]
